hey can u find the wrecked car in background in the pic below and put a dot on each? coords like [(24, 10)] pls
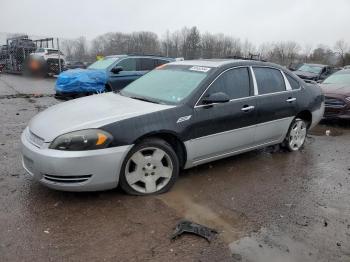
[(337, 95), (180, 115), (314, 72), (46, 61), (111, 73)]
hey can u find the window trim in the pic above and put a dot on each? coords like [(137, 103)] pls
[(234, 99), (300, 86)]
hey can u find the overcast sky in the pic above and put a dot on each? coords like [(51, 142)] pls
[(305, 21)]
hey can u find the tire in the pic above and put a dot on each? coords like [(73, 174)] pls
[(108, 88), (142, 173), (296, 135)]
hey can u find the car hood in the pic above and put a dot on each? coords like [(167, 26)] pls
[(336, 89), (88, 112), (303, 74), (81, 80)]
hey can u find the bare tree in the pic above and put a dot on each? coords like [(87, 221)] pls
[(191, 44), (341, 48), (67, 48), (248, 49), (80, 49)]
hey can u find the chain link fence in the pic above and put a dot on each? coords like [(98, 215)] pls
[(31, 56)]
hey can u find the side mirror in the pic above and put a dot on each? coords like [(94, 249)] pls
[(219, 97), (117, 69)]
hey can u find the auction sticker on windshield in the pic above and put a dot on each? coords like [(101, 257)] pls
[(200, 69)]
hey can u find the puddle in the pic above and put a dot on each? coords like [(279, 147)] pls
[(266, 247), (325, 131), (227, 222)]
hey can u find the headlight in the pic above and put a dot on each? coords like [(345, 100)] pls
[(89, 139), (348, 98)]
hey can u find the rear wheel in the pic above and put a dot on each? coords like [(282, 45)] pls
[(296, 135), (151, 167)]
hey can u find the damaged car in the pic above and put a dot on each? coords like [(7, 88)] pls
[(337, 95), (314, 72), (177, 116)]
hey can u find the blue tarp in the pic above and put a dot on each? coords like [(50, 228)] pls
[(81, 80)]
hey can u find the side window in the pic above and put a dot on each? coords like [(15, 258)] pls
[(128, 64), (269, 80), (235, 83), (161, 62), (146, 64), (293, 83)]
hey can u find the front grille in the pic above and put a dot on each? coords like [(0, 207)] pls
[(334, 102), (34, 139), (67, 179)]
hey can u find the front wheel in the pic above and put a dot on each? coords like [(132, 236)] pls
[(151, 167), (296, 135)]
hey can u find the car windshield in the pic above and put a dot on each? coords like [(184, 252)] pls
[(310, 69), (341, 77), (103, 63), (167, 85)]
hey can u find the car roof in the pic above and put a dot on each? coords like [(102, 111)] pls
[(321, 65), (223, 62), (343, 71), (134, 55)]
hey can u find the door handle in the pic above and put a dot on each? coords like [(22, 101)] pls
[(247, 108), (291, 99)]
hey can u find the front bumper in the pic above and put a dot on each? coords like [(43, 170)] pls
[(91, 170), (337, 108)]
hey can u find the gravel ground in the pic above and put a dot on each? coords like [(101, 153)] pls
[(268, 205)]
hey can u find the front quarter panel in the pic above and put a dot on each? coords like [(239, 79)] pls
[(175, 121)]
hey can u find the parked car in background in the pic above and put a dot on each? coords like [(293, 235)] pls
[(75, 65), (294, 66), (180, 115), (337, 95), (314, 72), (112, 73), (346, 67)]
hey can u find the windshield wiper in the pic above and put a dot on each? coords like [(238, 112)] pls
[(144, 99)]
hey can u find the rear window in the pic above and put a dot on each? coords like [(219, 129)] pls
[(128, 64), (269, 80), (146, 64)]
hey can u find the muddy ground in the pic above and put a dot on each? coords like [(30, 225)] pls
[(268, 205)]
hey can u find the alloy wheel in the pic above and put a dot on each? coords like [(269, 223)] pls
[(149, 170), (297, 135)]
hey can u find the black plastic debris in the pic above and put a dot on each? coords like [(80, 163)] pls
[(185, 226)]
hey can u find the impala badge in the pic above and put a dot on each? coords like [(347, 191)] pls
[(183, 118)]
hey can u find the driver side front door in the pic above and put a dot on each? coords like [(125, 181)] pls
[(224, 128)]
